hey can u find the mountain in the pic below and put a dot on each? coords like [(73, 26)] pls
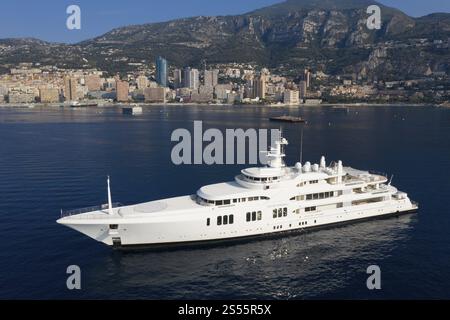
[(323, 34)]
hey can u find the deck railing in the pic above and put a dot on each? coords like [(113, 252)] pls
[(68, 213)]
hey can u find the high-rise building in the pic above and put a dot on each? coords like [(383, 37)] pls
[(307, 77), (161, 71), (291, 97), (259, 87), (191, 78), (211, 78), (177, 78), (302, 87), (70, 89), (122, 90), (93, 82)]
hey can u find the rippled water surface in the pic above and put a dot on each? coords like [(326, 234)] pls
[(52, 159)]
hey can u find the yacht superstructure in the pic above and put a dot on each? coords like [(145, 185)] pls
[(260, 201)]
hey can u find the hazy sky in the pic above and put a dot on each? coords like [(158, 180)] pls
[(46, 19)]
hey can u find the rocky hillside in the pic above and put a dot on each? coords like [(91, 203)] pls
[(330, 35)]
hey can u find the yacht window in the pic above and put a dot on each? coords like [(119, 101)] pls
[(285, 212), (259, 215), (208, 221), (219, 203), (219, 220), (235, 200), (114, 226), (231, 219), (248, 216), (226, 201), (321, 195), (253, 216), (280, 213), (274, 213), (316, 196), (243, 200), (309, 197), (225, 219)]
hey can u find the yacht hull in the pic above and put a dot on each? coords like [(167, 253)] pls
[(162, 235), (246, 239)]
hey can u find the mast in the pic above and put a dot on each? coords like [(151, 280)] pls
[(301, 143), (110, 208)]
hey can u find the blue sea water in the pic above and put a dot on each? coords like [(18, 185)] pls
[(52, 159)]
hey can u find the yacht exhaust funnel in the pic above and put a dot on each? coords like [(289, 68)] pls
[(323, 164), (340, 171)]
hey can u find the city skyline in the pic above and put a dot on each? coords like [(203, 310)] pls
[(46, 21)]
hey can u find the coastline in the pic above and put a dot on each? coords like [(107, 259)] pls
[(116, 104)]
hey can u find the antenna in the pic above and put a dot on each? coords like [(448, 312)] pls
[(110, 208), (301, 144), (390, 180)]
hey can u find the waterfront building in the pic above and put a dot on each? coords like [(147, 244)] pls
[(191, 78), (49, 95), (307, 77), (21, 97), (291, 97), (211, 78), (302, 87), (234, 97), (259, 87), (177, 78), (122, 90), (222, 90), (93, 82), (155, 94), (161, 71), (70, 89)]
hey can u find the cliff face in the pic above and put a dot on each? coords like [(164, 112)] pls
[(330, 35)]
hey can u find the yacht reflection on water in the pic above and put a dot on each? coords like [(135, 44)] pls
[(305, 265)]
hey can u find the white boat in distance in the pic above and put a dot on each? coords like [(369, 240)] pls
[(261, 201)]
